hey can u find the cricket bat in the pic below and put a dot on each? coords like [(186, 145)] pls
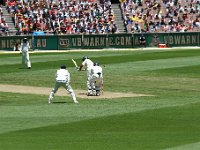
[(75, 64)]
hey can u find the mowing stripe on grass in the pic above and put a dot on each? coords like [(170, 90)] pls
[(29, 111), (150, 65), (169, 119), (147, 130), (193, 146)]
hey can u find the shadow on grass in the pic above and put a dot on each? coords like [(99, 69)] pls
[(61, 102)]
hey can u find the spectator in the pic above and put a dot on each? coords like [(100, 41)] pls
[(30, 16), (142, 41), (161, 16), (17, 46)]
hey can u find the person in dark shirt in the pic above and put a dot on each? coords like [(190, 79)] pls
[(142, 41)]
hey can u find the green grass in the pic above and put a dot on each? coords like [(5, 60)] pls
[(168, 120)]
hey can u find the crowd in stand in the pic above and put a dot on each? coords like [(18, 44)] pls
[(161, 15), (62, 16), (97, 16), (3, 25)]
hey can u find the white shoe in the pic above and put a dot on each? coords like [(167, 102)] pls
[(49, 101), (89, 93), (97, 93), (76, 102)]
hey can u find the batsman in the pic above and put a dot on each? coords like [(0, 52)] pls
[(87, 64), (94, 76)]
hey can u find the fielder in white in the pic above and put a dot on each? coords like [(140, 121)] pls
[(96, 79), (62, 79), (87, 64), (25, 55)]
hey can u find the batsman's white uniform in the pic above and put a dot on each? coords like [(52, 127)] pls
[(96, 79), (25, 55), (62, 79), (88, 64)]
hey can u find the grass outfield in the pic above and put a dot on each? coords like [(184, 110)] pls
[(167, 121)]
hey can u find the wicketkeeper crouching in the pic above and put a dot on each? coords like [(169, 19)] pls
[(96, 79)]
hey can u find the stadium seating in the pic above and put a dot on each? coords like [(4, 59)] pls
[(3, 25), (63, 16), (161, 15), (97, 16)]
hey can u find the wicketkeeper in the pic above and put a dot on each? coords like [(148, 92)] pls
[(96, 79), (62, 79)]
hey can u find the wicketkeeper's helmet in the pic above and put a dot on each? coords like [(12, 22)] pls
[(96, 64), (84, 58)]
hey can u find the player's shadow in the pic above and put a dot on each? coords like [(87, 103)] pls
[(82, 93), (61, 102), (23, 68), (85, 94)]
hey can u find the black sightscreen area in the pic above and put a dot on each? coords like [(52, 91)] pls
[(114, 1)]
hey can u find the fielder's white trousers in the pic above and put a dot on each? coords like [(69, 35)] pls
[(25, 56), (66, 86)]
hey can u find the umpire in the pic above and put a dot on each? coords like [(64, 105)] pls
[(25, 54)]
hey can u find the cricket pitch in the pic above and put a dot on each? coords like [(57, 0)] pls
[(62, 92)]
